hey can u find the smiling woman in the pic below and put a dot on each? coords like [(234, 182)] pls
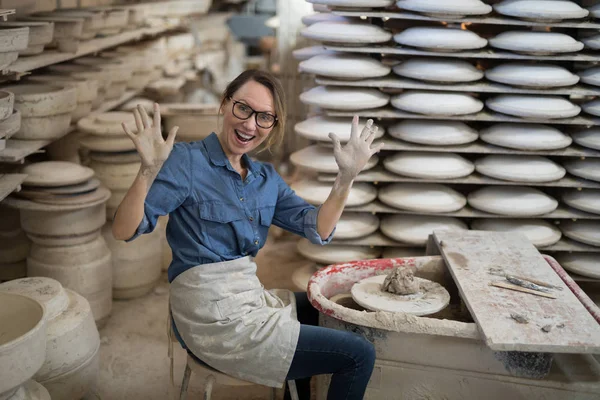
[(221, 205)]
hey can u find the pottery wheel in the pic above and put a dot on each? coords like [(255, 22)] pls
[(432, 297)]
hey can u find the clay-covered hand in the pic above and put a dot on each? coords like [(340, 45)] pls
[(148, 139), (354, 155)]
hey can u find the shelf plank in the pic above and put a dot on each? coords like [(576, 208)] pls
[(27, 64), (394, 82), (17, 150), (378, 174), (482, 116), (562, 212), (10, 183), (486, 53), (487, 20)]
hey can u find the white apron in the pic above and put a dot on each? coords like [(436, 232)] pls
[(228, 320)]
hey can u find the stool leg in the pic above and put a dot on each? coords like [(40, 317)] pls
[(208, 386), (185, 382), (293, 390), (273, 394)]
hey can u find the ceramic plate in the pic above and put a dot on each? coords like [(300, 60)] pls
[(316, 192), (519, 168), (532, 75), (318, 128), (415, 229), (56, 173), (541, 10), (436, 133), (354, 225), (532, 106), (591, 76), (438, 70), (440, 39), (442, 8), (589, 138), (340, 98), (539, 232), (437, 103), (345, 66), (592, 107), (517, 201), (583, 231), (425, 165), (353, 3), (355, 33), (525, 136), (422, 197), (324, 17), (333, 254), (306, 53), (588, 168), (530, 42), (321, 159), (585, 199), (584, 264)]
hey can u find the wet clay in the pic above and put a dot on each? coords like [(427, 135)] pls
[(400, 281)]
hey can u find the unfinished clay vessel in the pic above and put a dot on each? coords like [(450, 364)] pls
[(40, 34), (353, 34), (324, 17), (517, 201), (353, 225), (519, 168), (195, 121), (316, 192), (584, 231), (584, 264), (318, 128), (415, 229), (541, 10), (7, 101), (345, 66), (437, 103), (440, 39), (13, 40), (588, 168), (321, 159), (586, 200), (539, 76), (535, 42), (438, 70), (31, 390), (56, 173), (445, 9), (539, 232), (137, 265), (525, 136), (428, 165), (532, 106), (22, 341), (347, 99), (437, 133), (335, 253), (422, 197)]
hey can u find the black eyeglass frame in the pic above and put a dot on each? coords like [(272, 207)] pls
[(254, 112)]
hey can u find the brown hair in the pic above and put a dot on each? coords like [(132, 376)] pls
[(272, 83)]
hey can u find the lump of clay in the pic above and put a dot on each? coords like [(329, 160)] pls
[(400, 281)]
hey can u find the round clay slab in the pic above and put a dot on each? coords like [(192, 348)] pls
[(541, 10), (345, 66), (532, 75), (324, 17), (519, 168), (318, 128), (333, 253), (539, 232), (532, 106), (316, 192), (437, 133), (584, 264), (516, 201), (308, 52), (79, 188), (536, 42), (415, 229), (440, 39), (437, 103), (588, 138), (85, 198), (354, 225), (525, 136), (588, 168), (422, 197), (108, 123), (591, 76), (321, 159), (354, 3), (355, 33), (347, 99), (425, 165), (592, 107), (585, 199), (584, 231), (455, 8), (438, 70), (432, 297), (56, 173)]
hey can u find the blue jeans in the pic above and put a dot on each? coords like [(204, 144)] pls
[(346, 355)]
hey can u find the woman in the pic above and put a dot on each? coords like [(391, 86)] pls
[(221, 204)]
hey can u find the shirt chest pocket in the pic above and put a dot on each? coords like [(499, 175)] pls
[(218, 225)]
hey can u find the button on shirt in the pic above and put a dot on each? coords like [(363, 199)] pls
[(216, 216)]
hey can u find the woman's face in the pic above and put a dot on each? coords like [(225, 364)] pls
[(239, 135)]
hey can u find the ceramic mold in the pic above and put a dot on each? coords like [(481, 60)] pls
[(415, 229), (532, 106), (537, 43), (436, 133), (426, 165), (440, 39), (438, 70), (541, 10), (519, 168), (422, 197), (355, 34), (437, 103), (539, 232), (517, 201), (339, 98), (445, 9), (539, 76), (315, 192), (525, 136), (345, 66)]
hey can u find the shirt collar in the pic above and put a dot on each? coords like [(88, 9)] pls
[(217, 155)]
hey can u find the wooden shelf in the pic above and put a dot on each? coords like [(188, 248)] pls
[(378, 239), (378, 174), (10, 183), (486, 53), (26, 64), (4, 13), (480, 147), (395, 82), (562, 212), (482, 116), (17, 150), (494, 19)]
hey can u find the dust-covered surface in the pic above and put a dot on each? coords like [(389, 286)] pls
[(526, 364)]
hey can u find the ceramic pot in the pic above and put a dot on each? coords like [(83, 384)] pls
[(40, 35)]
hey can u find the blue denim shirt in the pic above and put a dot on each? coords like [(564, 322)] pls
[(216, 216)]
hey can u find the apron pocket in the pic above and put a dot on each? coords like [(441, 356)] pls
[(237, 305)]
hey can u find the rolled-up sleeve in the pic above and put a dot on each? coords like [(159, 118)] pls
[(295, 215), (169, 190)]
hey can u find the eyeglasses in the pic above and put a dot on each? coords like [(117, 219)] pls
[(243, 111)]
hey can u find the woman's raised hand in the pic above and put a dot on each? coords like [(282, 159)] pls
[(148, 140), (353, 157)]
